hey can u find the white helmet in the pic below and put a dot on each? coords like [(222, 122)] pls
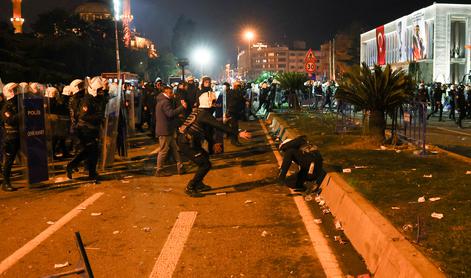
[(94, 84), (51, 92), (66, 91), (207, 99), (35, 87), (9, 90), (75, 86)]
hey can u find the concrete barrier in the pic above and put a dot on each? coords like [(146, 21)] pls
[(385, 250)]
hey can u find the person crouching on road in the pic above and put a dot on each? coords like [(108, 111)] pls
[(200, 126), (309, 159), (88, 130), (166, 117)]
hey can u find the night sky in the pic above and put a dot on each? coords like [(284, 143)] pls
[(219, 23)]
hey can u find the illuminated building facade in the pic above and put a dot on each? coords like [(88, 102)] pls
[(435, 39)]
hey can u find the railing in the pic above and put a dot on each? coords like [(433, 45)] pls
[(409, 122)]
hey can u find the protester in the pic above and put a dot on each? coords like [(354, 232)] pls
[(438, 91), (235, 109), (166, 118)]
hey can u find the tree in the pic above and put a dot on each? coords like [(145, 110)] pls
[(292, 82), (375, 91), (183, 34)]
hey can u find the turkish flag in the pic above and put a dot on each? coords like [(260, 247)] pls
[(381, 45)]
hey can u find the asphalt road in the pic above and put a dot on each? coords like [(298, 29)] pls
[(137, 225)]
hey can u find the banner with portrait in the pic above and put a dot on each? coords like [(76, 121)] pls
[(419, 45), (401, 29), (381, 45)]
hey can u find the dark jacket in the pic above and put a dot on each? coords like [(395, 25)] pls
[(74, 107), (10, 118), (89, 114), (235, 103), (166, 116)]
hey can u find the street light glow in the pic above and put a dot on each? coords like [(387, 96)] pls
[(202, 55), (249, 35), (117, 9)]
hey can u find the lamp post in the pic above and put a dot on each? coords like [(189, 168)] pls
[(249, 36), (117, 6)]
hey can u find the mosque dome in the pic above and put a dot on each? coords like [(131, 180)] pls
[(93, 10)]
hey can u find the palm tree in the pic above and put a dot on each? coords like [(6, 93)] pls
[(378, 91), (292, 82)]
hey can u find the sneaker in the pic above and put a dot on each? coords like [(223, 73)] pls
[(203, 187), (193, 193), (69, 170)]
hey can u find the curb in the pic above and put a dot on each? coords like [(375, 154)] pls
[(385, 250)]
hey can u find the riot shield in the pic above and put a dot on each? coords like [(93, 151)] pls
[(130, 108), (110, 129), (33, 137)]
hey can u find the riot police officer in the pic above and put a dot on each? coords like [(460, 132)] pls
[(88, 130), (11, 144), (452, 94), (200, 126), (307, 156)]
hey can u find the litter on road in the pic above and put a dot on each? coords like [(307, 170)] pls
[(115, 232), (338, 225), (318, 221), (434, 199), (437, 215), (347, 171), (264, 233), (96, 214), (468, 172), (221, 194), (249, 202), (395, 208), (361, 167), (421, 199), (66, 264), (428, 176), (50, 222)]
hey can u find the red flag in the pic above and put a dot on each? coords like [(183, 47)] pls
[(381, 45)]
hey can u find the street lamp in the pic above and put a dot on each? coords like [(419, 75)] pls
[(249, 36), (202, 56), (117, 8)]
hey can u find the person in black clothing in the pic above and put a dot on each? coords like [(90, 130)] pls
[(452, 100), (422, 95), (11, 144), (235, 109), (437, 101), (88, 130), (328, 97), (2, 103), (468, 101), (192, 91), (461, 104), (263, 96), (308, 158), (200, 126)]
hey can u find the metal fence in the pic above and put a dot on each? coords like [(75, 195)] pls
[(409, 122)]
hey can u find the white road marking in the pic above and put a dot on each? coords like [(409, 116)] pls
[(173, 247), (450, 130), (321, 246), (28, 247)]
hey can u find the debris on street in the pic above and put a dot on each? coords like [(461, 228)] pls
[(434, 199), (347, 171), (96, 214), (437, 215), (264, 233), (66, 264), (421, 199)]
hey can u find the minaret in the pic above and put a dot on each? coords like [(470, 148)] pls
[(17, 20), (127, 18)]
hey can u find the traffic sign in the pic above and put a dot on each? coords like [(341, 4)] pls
[(310, 67), (310, 62), (310, 56)]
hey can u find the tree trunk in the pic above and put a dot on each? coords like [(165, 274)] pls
[(377, 126)]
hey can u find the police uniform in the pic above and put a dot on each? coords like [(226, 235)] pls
[(89, 120), (11, 141), (199, 126), (306, 156), (461, 103)]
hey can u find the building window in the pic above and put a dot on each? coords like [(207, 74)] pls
[(271, 54)]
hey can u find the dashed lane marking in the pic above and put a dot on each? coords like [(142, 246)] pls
[(173, 248), (321, 246), (28, 247)]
